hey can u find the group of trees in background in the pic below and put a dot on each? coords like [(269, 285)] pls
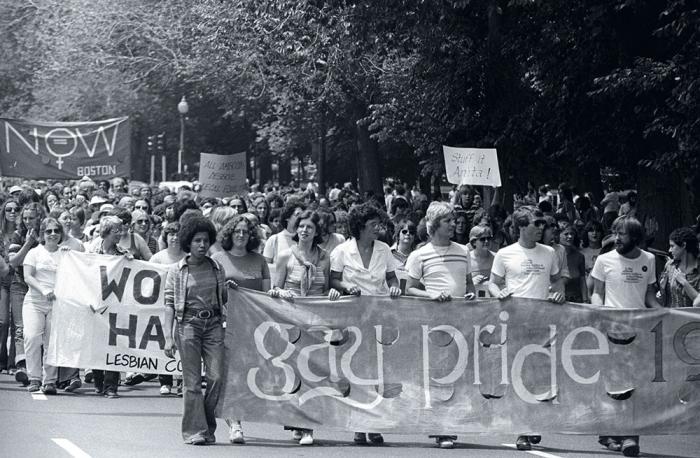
[(562, 89)]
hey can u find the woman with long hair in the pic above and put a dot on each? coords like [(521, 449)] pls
[(461, 227), (195, 310), (25, 237), (141, 225), (481, 259), (575, 289), (8, 224), (304, 270), (247, 268), (220, 216), (592, 244)]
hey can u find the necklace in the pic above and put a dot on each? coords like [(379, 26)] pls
[(444, 251)]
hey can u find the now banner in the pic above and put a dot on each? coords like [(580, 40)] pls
[(65, 150), (109, 314), (407, 365)]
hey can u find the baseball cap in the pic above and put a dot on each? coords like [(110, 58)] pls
[(96, 200), (106, 207), (15, 189)]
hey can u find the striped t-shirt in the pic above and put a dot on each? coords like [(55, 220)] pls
[(440, 268)]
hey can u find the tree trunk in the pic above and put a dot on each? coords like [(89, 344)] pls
[(369, 173), (284, 171), (321, 163), (264, 164)]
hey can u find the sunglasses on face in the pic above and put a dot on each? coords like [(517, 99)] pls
[(141, 221), (141, 207), (485, 239), (407, 232), (52, 231), (11, 210), (539, 223)]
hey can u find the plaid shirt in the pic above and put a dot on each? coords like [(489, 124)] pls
[(176, 287)]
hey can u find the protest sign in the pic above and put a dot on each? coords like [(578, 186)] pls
[(474, 166), (65, 150), (406, 365), (109, 314), (222, 175)]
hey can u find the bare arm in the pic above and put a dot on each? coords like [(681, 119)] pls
[(497, 286), (342, 286), (650, 299), (598, 296), (415, 288)]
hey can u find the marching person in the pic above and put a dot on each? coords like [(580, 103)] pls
[(439, 270), (40, 266), (243, 265), (625, 278), (365, 265), (481, 259), (527, 269), (111, 229), (195, 310), (303, 270), (680, 280)]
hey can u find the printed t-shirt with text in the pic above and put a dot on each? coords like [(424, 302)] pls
[(527, 271), (626, 280)]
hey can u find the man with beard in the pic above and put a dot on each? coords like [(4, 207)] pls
[(527, 269), (625, 278)]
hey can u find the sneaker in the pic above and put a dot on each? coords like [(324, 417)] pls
[(235, 434), (134, 380), (89, 378), (165, 390), (375, 438), (307, 438), (34, 386), (630, 447), (111, 394), (49, 389), (609, 442), (73, 385), (296, 435), (360, 438), (446, 442), (21, 376), (196, 440), (523, 443)]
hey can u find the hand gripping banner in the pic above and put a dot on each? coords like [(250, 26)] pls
[(109, 314), (407, 365), (65, 150)]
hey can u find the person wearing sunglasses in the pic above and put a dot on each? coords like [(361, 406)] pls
[(405, 240), (526, 269), (481, 259), (141, 225), (40, 266), (144, 205)]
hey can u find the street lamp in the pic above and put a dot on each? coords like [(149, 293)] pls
[(183, 108)]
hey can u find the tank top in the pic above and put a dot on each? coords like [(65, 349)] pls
[(296, 271)]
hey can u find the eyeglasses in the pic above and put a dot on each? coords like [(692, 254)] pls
[(241, 232), (11, 209), (539, 223), (141, 207), (52, 231), (141, 221), (407, 232)]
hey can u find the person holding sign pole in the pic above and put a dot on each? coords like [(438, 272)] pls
[(439, 271), (195, 303)]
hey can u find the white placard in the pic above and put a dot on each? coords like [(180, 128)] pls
[(475, 166)]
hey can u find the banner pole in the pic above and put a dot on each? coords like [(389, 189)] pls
[(162, 166), (153, 169)]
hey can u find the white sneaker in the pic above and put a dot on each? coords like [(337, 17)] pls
[(235, 434), (307, 438), (165, 390), (296, 435)]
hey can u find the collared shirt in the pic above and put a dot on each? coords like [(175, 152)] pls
[(176, 287), (371, 280), (673, 294)]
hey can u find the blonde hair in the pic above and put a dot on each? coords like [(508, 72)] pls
[(435, 212)]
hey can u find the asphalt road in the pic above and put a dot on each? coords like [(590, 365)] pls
[(144, 424)]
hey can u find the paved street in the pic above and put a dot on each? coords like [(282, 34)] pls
[(143, 423)]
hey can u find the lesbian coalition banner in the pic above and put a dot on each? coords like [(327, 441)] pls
[(411, 366), (109, 314), (65, 150)]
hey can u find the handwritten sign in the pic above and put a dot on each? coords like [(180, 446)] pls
[(222, 175), (475, 166)]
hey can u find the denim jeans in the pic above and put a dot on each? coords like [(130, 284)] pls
[(37, 329), (5, 361), (16, 304), (106, 380), (200, 339)]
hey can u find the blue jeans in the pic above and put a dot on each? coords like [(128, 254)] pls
[(16, 303), (200, 339)]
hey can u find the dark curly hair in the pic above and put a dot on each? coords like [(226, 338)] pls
[(172, 227), (685, 237), (226, 234), (315, 218), (289, 208), (360, 214), (191, 226)]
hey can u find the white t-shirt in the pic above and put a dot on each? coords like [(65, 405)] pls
[(45, 265), (346, 258), (563, 263), (626, 280), (527, 271), (277, 243), (440, 268)]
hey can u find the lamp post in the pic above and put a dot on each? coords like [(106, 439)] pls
[(183, 108)]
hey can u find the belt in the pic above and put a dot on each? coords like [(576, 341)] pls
[(202, 314)]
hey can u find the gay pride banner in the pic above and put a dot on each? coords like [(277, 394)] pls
[(412, 366)]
